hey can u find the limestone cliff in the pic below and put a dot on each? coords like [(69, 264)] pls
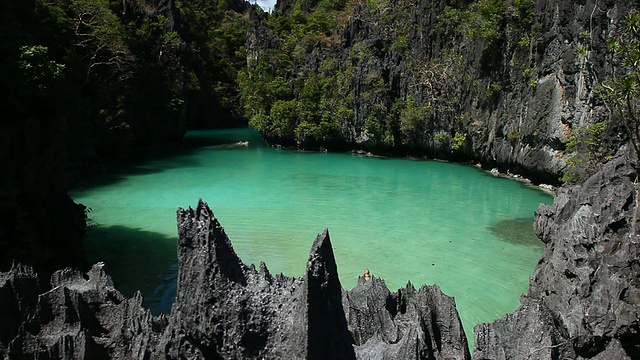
[(39, 223), (66, 79), (86, 83), (504, 83), (584, 295)]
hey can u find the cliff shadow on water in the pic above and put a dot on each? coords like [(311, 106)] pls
[(151, 160), (135, 256)]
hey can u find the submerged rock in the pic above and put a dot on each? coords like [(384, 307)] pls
[(225, 309)]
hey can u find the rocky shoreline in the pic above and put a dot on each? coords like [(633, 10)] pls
[(583, 300)]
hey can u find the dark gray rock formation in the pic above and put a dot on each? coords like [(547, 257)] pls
[(226, 310), (19, 289), (528, 333), (409, 324), (585, 291), (81, 317)]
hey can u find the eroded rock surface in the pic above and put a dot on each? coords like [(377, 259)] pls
[(408, 324), (585, 291), (225, 309)]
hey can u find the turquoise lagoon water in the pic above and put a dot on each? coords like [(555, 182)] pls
[(427, 222)]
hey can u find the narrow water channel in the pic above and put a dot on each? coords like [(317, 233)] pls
[(406, 220)]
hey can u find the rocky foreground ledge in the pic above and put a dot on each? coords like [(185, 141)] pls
[(225, 309), (583, 300), (584, 295)]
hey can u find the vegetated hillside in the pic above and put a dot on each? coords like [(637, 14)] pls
[(513, 84), (215, 33), (87, 80)]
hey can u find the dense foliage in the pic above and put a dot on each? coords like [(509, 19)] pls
[(131, 71), (84, 81), (319, 83), (215, 32), (624, 89), (308, 109)]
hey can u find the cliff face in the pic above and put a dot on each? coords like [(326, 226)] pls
[(583, 299), (66, 82), (225, 309), (589, 272), (504, 86)]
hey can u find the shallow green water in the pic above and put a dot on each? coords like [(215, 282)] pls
[(424, 221)]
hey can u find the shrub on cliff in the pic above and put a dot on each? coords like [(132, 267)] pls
[(215, 34), (624, 88)]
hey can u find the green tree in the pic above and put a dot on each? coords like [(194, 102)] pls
[(38, 70), (483, 19), (216, 31), (624, 89), (410, 119)]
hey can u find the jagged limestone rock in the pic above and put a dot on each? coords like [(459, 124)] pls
[(225, 309), (221, 301), (527, 333), (588, 276), (408, 324), (587, 280), (19, 289)]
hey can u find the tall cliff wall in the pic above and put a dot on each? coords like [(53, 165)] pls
[(64, 78), (503, 83), (88, 82), (39, 223)]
